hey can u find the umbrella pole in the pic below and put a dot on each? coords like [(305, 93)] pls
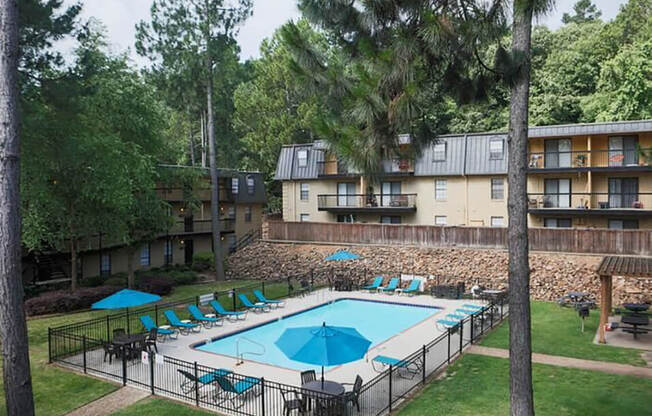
[(322, 377)]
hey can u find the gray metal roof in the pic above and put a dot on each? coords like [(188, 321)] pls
[(611, 127), (287, 167), (453, 164), (478, 160)]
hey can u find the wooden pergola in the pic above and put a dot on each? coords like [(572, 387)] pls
[(617, 266)]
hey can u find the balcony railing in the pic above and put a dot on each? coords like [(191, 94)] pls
[(590, 201), (584, 159), (388, 166), (367, 202), (334, 168), (201, 226), (202, 194), (405, 166)]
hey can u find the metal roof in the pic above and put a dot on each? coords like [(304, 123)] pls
[(287, 167), (625, 266)]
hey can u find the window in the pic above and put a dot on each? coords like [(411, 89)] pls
[(247, 214), (105, 264), (305, 191), (440, 189), (230, 212), (623, 224), (346, 194), (441, 220), (235, 185), (496, 149), (391, 195), (390, 219), (251, 185), (439, 152), (144, 255), (497, 222), (557, 193), (346, 218), (497, 188), (557, 153), (623, 151), (304, 217), (302, 158), (557, 222), (623, 192), (167, 252)]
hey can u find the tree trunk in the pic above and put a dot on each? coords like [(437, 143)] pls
[(73, 264), (191, 145), (13, 330), (520, 348), (203, 139), (215, 220), (131, 252)]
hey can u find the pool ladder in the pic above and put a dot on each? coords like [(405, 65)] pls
[(240, 355)]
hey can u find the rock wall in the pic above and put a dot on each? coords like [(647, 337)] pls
[(552, 275)]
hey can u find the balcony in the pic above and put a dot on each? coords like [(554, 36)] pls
[(334, 168), (596, 203), (398, 167), (584, 160), (392, 167), (201, 194), (369, 203), (201, 226)]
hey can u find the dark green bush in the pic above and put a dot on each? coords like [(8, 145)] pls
[(66, 301), (158, 285), (183, 277), (92, 281), (203, 261), (118, 279)]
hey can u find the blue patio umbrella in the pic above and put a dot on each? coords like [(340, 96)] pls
[(126, 298), (323, 345), (342, 255)]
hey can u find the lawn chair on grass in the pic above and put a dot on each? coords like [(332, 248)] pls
[(238, 390), (404, 368), (374, 285), (231, 316), (207, 321), (162, 333), (184, 327), (273, 303), (258, 307)]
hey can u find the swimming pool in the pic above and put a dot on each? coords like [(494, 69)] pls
[(376, 320)]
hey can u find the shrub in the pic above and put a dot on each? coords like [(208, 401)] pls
[(93, 281), (183, 277), (116, 281), (158, 285), (65, 301), (203, 261)]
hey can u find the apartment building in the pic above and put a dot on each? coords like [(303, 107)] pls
[(241, 199), (585, 175)]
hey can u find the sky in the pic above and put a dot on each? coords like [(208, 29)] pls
[(120, 17)]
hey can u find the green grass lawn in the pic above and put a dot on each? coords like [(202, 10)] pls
[(556, 331), (160, 407), (479, 385), (57, 391)]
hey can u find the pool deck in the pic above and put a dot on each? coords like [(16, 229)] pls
[(398, 346)]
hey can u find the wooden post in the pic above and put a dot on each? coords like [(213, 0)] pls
[(604, 311), (610, 285)]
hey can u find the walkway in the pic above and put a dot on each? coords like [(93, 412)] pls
[(606, 367), (112, 402)]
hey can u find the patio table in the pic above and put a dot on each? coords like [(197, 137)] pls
[(637, 307), (635, 321), (126, 342), (328, 387)]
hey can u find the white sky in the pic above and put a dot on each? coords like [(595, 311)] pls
[(121, 16)]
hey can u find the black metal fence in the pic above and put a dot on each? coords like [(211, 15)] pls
[(84, 346)]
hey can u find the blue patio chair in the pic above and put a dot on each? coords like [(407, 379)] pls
[(189, 379), (391, 287), (375, 285), (404, 368), (258, 307), (468, 311), (261, 298), (207, 321), (446, 324), (149, 324), (413, 288), (238, 390), (231, 316), (474, 307), (184, 327)]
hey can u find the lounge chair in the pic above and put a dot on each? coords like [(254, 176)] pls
[(232, 316), (468, 311), (375, 285), (404, 368), (415, 284), (475, 307), (274, 303), (198, 316), (238, 390), (184, 327), (149, 324), (258, 307), (446, 324), (391, 287), (189, 379)]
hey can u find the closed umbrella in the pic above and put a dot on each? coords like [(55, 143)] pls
[(323, 345)]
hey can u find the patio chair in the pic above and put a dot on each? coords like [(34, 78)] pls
[(150, 340), (118, 332), (239, 390), (353, 396), (258, 307), (374, 285), (189, 379), (415, 284), (446, 324), (308, 376), (231, 316), (292, 401), (404, 368), (391, 287), (274, 303), (207, 321), (110, 351), (475, 307), (184, 327), (148, 323)]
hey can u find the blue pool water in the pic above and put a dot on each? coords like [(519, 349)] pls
[(376, 321)]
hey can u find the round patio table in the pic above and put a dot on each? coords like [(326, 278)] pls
[(637, 307), (328, 387)]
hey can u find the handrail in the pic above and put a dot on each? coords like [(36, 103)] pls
[(241, 355)]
